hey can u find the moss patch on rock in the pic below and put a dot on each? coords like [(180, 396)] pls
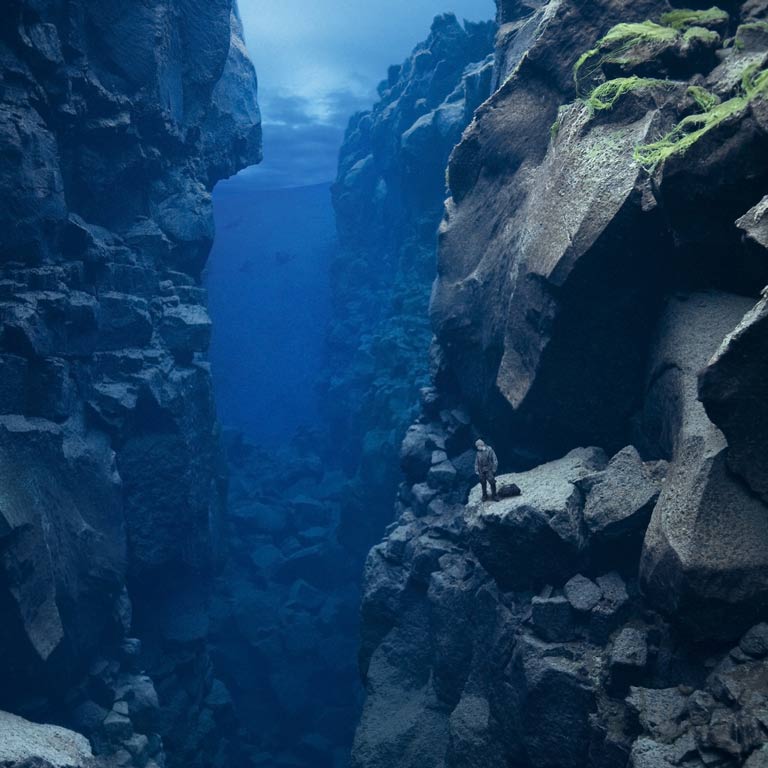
[(703, 98), (692, 128), (606, 96), (614, 47), (685, 18)]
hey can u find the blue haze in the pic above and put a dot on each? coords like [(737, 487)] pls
[(319, 62), (268, 294)]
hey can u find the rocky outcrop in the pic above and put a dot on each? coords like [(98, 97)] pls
[(600, 260), (116, 122), (706, 551), (534, 255), (46, 746), (732, 388)]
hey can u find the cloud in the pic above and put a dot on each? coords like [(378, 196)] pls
[(318, 63)]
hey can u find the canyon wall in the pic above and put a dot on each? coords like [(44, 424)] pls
[(303, 514), (599, 318), (117, 120)]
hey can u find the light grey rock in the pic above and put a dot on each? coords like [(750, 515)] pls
[(629, 657), (582, 593), (755, 641), (21, 740), (734, 391), (621, 499)]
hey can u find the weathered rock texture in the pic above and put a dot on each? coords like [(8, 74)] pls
[(25, 743), (535, 255), (116, 121), (600, 260)]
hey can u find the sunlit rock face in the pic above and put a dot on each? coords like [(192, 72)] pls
[(117, 120), (599, 320), (554, 232)]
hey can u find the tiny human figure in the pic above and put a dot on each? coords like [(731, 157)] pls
[(486, 465)]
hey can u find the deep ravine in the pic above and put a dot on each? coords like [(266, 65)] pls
[(590, 299)]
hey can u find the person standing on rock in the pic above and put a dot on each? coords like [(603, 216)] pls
[(486, 465)]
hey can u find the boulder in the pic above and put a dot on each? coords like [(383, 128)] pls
[(552, 618), (755, 641), (22, 741), (582, 593), (537, 537), (553, 701), (186, 328), (628, 659), (705, 556), (619, 504)]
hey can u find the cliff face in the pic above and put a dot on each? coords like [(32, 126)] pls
[(117, 119), (388, 200), (599, 264)]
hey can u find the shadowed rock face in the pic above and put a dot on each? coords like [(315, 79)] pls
[(117, 120), (733, 390)]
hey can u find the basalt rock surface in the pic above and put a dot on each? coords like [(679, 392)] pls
[(601, 265), (116, 121), (534, 254)]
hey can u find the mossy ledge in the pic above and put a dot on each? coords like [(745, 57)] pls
[(685, 18), (620, 40)]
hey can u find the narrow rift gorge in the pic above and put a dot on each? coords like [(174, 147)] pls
[(384, 415)]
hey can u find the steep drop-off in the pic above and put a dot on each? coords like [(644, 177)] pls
[(600, 260), (117, 119)]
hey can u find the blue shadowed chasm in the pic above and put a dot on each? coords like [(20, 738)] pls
[(268, 292), (253, 368)]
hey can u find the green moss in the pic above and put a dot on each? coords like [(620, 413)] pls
[(618, 42), (700, 34), (606, 95), (692, 128), (703, 98), (685, 18)]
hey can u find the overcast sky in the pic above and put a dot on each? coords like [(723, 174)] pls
[(318, 62)]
